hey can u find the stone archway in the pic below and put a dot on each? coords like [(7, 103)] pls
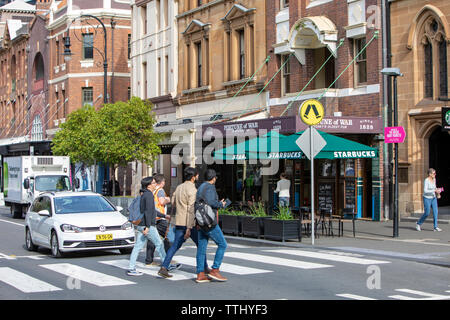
[(439, 159)]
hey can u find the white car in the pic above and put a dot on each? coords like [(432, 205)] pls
[(75, 221)]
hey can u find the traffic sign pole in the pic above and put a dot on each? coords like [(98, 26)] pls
[(311, 142)]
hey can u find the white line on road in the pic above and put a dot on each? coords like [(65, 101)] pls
[(5, 256), (225, 267), (426, 295), (277, 261), (354, 296), (86, 275), (24, 282), (151, 270), (15, 223), (327, 256)]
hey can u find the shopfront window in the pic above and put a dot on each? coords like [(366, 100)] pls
[(327, 168)]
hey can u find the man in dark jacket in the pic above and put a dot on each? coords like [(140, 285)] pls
[(147, 228), (207, 192)]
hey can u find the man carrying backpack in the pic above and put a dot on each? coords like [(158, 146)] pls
[(207, 193), (161, 200), (147, 226), (183, 201)]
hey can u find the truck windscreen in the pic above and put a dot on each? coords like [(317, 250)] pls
[(52, 183)]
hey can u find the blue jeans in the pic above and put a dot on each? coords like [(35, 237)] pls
[(217, 236), (284, 201), (180, 231), (427, 204), (141, 241)]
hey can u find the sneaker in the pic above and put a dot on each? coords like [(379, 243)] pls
[(215, 274), (163, 272), (202, 277), (207, 271), (438, 229), (153, 264), (418, 227), (174, 267), (134, 273)]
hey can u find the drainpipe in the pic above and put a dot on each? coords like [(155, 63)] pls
[(113, 26), (387, 109)]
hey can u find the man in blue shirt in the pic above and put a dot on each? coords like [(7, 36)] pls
[(207, 192)]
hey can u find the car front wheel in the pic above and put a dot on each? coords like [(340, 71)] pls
[(29, 241), (55, 246)]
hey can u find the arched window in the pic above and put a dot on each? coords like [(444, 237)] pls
[(37, 133), (434, 43), (38, 70)]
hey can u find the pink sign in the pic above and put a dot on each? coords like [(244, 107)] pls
[(394, 135)]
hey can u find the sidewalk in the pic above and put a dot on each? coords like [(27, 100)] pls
[(375, 238)]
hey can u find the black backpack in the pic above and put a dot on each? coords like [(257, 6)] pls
[(205, 217)]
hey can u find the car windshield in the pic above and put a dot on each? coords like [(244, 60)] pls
[(82, 204), (52, 183)]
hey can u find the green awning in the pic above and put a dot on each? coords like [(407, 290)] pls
[(277, 146), (336, 147), (256, 148)]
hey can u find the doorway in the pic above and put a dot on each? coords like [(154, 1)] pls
[(439, 159)]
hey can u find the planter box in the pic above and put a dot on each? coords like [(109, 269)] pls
[(230, 224), (281, 229), (253, 226)]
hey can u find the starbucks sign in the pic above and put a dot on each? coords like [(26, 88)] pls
[(446, 118)]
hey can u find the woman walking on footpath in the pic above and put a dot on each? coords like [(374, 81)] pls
[(430, 194)]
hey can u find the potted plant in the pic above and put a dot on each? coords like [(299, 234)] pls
[(282, 226), (230, 221), (253, 223)]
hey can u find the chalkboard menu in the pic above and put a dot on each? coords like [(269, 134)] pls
[(350, 193), (326, 195)]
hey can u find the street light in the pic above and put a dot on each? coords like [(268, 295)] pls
[(68, 54), (395, 72)]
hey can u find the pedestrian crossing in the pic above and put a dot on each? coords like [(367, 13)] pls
[(103, 273)]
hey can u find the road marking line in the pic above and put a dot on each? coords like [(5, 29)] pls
[(354, 296), (24, 282), (17, 224), (86, 275), (225, 267), (151, 270), (7, 257), (327, 256), (276, 261), (428, 296)]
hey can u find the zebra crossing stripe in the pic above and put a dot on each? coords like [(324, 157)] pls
[(24, 282), (151, 270), (276, 261), (331, 257), (93, 277), (425, 295), (225, 267), (354, 296)]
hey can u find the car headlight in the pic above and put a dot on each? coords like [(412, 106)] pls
[(127, 226), (70, 228)]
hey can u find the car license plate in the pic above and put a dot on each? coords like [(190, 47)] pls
[(103, 237)]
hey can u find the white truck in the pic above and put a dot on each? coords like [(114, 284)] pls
[(25, 177)]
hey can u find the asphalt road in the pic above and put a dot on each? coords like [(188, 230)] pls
[(253, 272)]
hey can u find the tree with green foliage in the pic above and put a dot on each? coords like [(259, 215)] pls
[(116, 134)]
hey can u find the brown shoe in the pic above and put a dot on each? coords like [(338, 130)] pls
[(201, 277), (207, 271), (215, 274), (164, 273)]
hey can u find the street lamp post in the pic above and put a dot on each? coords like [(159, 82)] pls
[(67, 53), (395, 72)]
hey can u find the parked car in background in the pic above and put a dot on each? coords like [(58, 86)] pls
[(75, 221)]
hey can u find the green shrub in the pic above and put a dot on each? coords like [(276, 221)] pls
[(258, 210), (284, 213)]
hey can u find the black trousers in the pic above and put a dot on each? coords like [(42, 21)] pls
[(161, 226)]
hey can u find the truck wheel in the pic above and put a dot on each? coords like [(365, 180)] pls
[(16, 211), (55, 246), (29, 241)]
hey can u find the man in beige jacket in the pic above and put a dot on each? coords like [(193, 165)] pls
[(183, 202)]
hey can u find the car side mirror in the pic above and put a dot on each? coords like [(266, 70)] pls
[(44, 213), (119, 208), (26, 183)]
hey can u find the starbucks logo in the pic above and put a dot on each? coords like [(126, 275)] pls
[(447, 117)]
